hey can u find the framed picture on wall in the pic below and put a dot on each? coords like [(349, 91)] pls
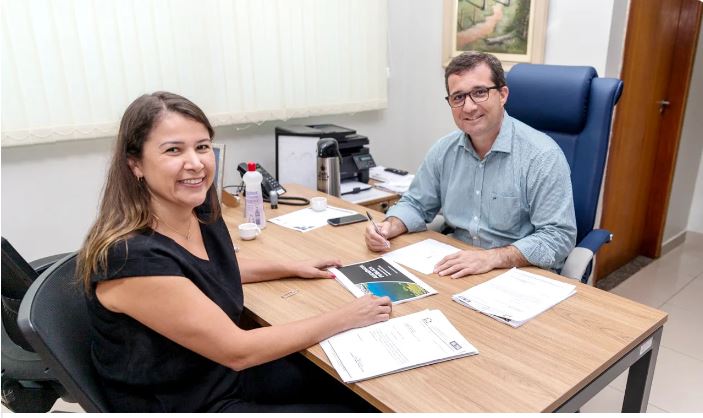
[(512, 30)]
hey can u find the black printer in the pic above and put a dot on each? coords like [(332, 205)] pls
[(356, 159)]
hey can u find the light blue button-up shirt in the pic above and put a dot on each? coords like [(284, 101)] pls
[(519, 193)]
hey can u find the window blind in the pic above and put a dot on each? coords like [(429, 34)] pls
[(71, 67)]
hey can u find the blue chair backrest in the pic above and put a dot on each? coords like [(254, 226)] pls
[(574, 106)]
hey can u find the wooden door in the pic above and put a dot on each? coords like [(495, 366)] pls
[(660, 46)]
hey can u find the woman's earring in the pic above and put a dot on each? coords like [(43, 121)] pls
[(140, 179)]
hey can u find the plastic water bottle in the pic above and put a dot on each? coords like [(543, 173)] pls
[(254, 208)]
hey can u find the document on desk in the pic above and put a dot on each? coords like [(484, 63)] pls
[(515, 296), (382, 277), (349, 187), (305, 220), (402, 343), (367, 195), (421, 256), (356, 191), (390, 181)]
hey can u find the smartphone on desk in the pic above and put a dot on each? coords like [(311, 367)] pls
[(346, 220)]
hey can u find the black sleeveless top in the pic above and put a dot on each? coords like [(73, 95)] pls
[(142, 370)]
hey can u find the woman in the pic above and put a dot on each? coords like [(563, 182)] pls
[(165, 289)]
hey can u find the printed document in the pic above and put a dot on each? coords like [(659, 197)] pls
[(347, 187), (363, 193), (391, 181), (515, 296), (401, 343), (366, 195), (422, 256), (305, 220), (382, 277)]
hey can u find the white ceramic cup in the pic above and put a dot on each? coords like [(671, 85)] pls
[(248, 231), (318, 204)]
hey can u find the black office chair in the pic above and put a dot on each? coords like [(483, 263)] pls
[(54, 318), (27, 384)]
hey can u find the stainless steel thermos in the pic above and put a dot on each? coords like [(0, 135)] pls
[(328, 166)]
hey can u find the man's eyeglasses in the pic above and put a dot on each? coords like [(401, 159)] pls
[(477, 95)]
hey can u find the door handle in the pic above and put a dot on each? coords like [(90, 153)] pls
[(663, 104)]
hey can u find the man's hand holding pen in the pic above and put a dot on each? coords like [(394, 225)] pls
[(377, 235)]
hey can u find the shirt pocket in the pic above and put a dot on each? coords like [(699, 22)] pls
[(504, 212)]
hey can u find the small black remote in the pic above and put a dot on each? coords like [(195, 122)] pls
[(396, 171)]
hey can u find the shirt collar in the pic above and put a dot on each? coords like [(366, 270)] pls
[(503, 142)]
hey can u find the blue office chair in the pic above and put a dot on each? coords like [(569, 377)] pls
[(574, 106)]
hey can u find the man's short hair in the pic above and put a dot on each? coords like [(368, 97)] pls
[(470, 60)]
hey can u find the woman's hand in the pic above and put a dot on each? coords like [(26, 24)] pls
[(314, 269), (367, 310), (255, 270)]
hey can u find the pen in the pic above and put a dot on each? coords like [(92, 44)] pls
[(375, 227)]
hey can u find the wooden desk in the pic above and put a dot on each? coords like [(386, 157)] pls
[(555, 362)]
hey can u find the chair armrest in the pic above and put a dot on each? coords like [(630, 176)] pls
[(595, 239), (580, 258), (45, 262), (437, 223)]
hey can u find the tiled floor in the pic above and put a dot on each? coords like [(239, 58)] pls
[(674, 284)]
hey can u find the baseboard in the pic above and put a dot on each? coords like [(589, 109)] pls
[(674, 242)]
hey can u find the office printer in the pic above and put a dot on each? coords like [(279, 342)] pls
[(296, 153)]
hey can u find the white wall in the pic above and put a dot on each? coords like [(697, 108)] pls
[(616, 44), (695, 218), (578, 33), (686, 199), (50, 192)]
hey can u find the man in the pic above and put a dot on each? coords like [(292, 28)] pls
[(502, 185)]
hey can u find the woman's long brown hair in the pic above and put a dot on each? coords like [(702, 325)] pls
[(124, 207)]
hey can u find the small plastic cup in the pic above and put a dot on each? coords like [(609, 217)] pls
[(248, 231), (318, 204)]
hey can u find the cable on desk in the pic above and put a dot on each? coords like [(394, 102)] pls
[(282, 200), (291, 200)]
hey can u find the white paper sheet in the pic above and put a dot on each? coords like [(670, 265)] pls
[(379, 173), (401, 343), (515, 296), (304, 220), (422, 256), (366, 195), (348, 186), (390, 181)]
